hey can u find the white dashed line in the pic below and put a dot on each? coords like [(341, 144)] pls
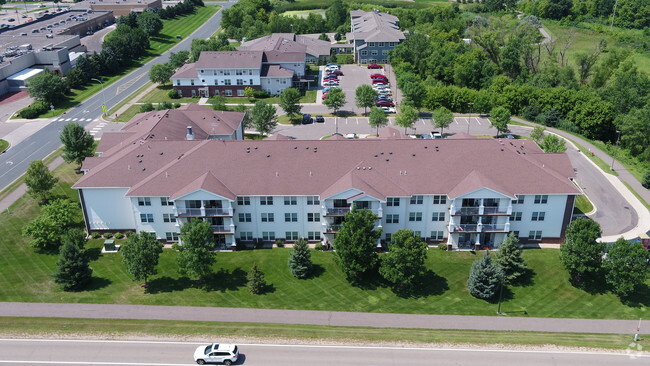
[(74, 119), (68, 119), (101, 124)]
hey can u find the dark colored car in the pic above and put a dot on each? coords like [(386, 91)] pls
[(320, 118), (384, 103), (331, 77), (306, 119), (374, 66), (336, 72)]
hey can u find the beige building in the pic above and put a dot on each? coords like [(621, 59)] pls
[(119, 7)]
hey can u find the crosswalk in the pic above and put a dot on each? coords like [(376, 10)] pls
[(75, 119), (96, 129)]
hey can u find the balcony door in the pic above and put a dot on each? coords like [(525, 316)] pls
[(341, 204)]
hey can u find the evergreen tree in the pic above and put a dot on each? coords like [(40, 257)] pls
[(196, 255), (509, 259), (300, 259), (39, 180), (140, 254), (485, 278), (626, 266), (73, 270), (256, 283), (404, 262), (356, 244), (77, 143)]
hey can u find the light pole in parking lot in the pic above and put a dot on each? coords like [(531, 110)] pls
[(469, 119), (614, 152)]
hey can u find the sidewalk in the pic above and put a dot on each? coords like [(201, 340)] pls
[(328, 318), (21, 189)]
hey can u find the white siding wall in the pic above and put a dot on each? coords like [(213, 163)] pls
[(275, 85), (108, 208), (219, 75), (156, 209), (551, 227)]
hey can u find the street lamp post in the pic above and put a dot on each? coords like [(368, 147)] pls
[(469, 120), (500, 295), (103, 95), (614, 152)]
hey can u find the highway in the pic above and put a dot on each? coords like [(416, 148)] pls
[(152, 353), (15, 161)]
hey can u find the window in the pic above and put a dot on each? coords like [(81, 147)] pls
[(415, 216), (291, 235), (437, 235), (438, 216), (203, 80), (178, 82), (146, 217), (201, 71), (417, 200), (538, 216), (250, 72), (515, 234), (364, 53), (250, 81), (313, 217), (227, 92), (214, 72), (290, 217), (384, 52), (535, 235), (519, 200), (313, 200), (192, 82), (515, 216), (240, 92), (268, 217), (226, 72), (439, 200), (389, 237), (541, 198), (385, 60), (268, 235), (216, 82), (392, 219), (392, 201), (245, 217), (238, 72), (169, 218), (240, 82), (290, 201), (144, 201), (371, 44), (391, 44), (266, 201), (227, 82), (313, 235), (164, 201), (244, 201), (380, 44), (374, 52), (246, 235), (171, 236)]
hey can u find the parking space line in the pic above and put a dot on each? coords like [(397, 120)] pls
[(477, 120)]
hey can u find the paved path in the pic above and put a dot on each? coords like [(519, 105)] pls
[(334, 318), (6, 202)]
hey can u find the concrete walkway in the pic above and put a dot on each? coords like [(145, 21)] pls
[(331, 318), (22, 189)]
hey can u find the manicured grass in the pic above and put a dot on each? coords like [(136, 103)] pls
[(309, 96), (128, 114), (174, 330), (636, 194), (11, 187), (583, 205), (159, 95), (132, 96), (4, 144), (304, 13)]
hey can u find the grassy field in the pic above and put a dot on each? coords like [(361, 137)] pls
[(3, 145), (159, 94), (304, 13), (583, 205), (128, 114), (175, 330), (183, 26), (26, 276)]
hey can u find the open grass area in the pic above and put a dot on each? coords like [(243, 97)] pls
[(174, 330), (183, 26), (309, 96), (583, 205), (11, 187), (304, 13), (128, 114), (159, 95), (4, 144), (26, 276)]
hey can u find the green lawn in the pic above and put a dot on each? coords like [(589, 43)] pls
[(4, 144), (183, 26), (304, 13), (583, 205), (159, 95), (128, 114), (174, 330), (309, 96)]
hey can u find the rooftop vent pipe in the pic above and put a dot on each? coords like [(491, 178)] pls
[(190, 135)]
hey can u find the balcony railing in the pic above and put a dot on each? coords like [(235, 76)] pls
[(218, 212), (467, 211), (334, 228), (494, 210), (337, 211), (465, 228), (221, 228), (493, 227), (182, 211)]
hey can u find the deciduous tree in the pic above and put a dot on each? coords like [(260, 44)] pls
[(404, 262), (48, 87), (499, 118), (263, 117), (626, 266), (73, 270), (356, 243), (290, 102), (509, 258), (581, 254), (196, 255), (365, 97), (46, 229), (39, 180), (442, 118), (77, 143), (553, 144), (407, 117), (300, 263), (485, 278), (335, 100), (377, 118), (161, 73), (140, 254), (150, 23), (178, 59)]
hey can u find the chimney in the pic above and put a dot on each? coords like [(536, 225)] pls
[(190, 135)]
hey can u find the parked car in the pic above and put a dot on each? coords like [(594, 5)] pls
[(336, 72), (384, 93), (331, 83), (374, 66), (384, 97), (331, 77), (324, 95), (380, 86), (331, 68), (436, 135), (332, 64), (380, 81), (216, 353), (306, 119), (388, 110), (377, 75), (382, 90), (11, 20), (384, 103), (320, 118), (351, 136)]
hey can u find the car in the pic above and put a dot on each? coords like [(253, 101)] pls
[(330, 77), (377, 75), (384, 97), (380, 86), (510, 136), (374, 66), (331, 68), (216, 352), (331, 83), (336, 72), (41, 6), (382, 89), (384, 93), (23, 16), (11, 20), (388, 110), (306, 119), (380, 78), (320, 118), (351, 136), (324, 95), (332, 64), (436, 135), (384, 103), (380, 81)]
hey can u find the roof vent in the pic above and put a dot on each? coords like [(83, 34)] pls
[(143, 169), (161, 153), (128, 167), (412, 154), (166, 174), (190, 134), (295, 147), (268, 156), (369, 168), (277, 174), (358, 168)]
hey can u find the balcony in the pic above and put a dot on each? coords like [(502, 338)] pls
[(464, 228), (466, 211), (186, 212), (221, 229), (495, 227), (337, 211), (490, 210), (333, 229), (218, 212)]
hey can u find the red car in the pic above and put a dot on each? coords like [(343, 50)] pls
[(324, 95), (336, 72), (380, 81), (374, 76), (384, 103), (374, 66)]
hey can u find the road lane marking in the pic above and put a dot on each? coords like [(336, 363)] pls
[(74, 119), (68, 119)]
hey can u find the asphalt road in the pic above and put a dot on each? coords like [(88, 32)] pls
[(15, 161), (149, 353)]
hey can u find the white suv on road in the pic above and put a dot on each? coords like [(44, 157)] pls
[(216, 353)]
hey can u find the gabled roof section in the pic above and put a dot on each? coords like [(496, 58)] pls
[(230, 60), (375, 26), (391, 133), (269, 71), (474, 181), (187, 71), (207, 182)]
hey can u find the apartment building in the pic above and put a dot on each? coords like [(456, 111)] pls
[(314, 49), (229, 73), (468, 193), (373, 35)]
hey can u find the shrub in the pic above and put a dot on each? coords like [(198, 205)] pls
[(173, 94), (34, 110), (119, 235), (108, 235), (176, 105), (164, 105), (147, 107), (95, 235), (260, 94), (240, 246), (442, 246), (259, 244), (279, 243), (646, 180), (318, 246), (128, 234)]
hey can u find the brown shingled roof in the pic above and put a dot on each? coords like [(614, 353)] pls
[(230, 59)]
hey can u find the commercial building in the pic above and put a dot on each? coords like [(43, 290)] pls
[(468, 193), (78, 22), (373, 35)]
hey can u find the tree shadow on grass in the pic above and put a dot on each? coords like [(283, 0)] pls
[(526, 280), (592, 285), (429, 284), (97, 283), (226, 280), (506, 294), (168, 284), (316, 271), (640, 297), (93, 254), (369, 281)]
